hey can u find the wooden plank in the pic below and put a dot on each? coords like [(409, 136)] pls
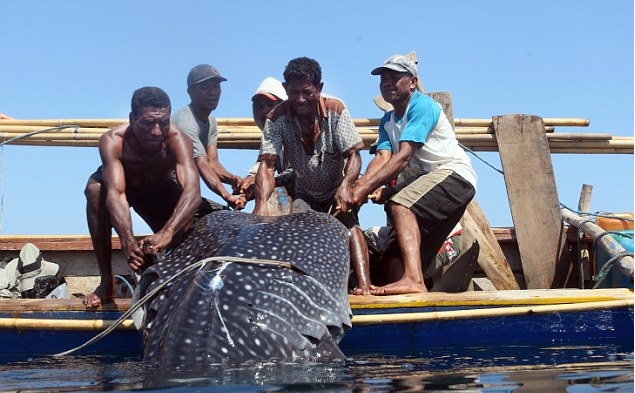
[(477, 228), (491, 298), (491, 258), (430, 299), (532, 194)]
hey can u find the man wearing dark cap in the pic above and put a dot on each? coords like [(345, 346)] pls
[(435, 179), (196, 120)]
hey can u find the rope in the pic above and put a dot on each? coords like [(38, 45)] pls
[(603, 215), (74, 126), (126, 282), (608, 266), (7, 141), (187, 269), (481, 159), (561, 204)]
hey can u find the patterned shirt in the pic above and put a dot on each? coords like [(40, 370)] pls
[(319, 172)]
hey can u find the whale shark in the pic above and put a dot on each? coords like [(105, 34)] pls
[(263, 289)]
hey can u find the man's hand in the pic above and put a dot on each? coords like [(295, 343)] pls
[(135, 256), (236, 184), (382, 195), (247, 187), (236, 202)]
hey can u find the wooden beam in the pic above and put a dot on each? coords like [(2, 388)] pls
[(532, 194), (612, 247), (491, 258)]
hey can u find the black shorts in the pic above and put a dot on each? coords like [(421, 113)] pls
[(438, 200), (155, 203)]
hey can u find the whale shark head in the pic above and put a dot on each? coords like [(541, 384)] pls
[(268, 288)]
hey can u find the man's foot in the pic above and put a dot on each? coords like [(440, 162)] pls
[(398, 288), (99, 297), (362, 291)]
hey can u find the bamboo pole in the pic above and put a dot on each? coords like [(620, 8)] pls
[(255, 134), (247, 128), (557, 122), (481, 313), (228, 122), (358, 320), (61, 324), (612, 248), (614, 146)]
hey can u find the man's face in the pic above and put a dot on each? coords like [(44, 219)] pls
[(261, 106), (303, 96), (151, 127), (206, 94), (396, 86)]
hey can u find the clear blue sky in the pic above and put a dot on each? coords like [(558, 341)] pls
[(83, 59)]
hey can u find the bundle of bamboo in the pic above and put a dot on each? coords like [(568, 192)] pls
[(242, 133)]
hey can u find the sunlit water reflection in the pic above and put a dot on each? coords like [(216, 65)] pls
[(510, 369)]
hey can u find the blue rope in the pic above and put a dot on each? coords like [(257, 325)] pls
[(126, 282), (481, 159)]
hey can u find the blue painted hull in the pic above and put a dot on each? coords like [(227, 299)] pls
[(612, 327), (589, 327)]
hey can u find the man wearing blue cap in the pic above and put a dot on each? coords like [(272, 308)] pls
[(196, 120), (435, 179)]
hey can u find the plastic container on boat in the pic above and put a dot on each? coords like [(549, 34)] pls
[(615, 278), (615, 224)]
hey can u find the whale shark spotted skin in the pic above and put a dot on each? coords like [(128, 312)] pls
[(232, 310)]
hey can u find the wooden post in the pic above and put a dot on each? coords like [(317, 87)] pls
[(533, 197), (476, 227), (584, 205)]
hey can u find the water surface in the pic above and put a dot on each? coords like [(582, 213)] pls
[(550, 368)]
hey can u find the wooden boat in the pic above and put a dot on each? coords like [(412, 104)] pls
[(407, 324), (403, 324), (519, 294)]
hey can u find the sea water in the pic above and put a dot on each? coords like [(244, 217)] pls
[(548, 368)]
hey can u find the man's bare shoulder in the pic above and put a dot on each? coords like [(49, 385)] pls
[(114, 133), (114, 136), (178, 140)]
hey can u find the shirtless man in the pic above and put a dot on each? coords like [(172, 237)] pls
[(146, 165)]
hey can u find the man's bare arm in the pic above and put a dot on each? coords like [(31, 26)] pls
[(223, 174), (264, 184), (181, 148), (110, 150), (352, 169)]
